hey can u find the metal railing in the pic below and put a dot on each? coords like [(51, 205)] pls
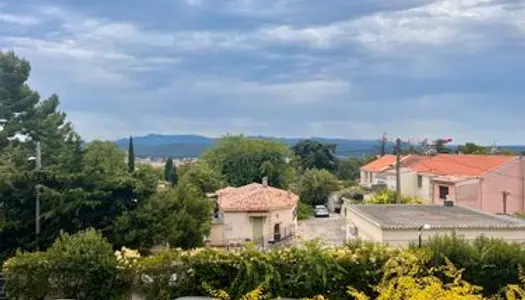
[(266, 241)]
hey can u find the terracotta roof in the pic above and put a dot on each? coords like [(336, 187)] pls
[(387, 161), (461, 165), (407, 216), (255, 197), (380, 164)]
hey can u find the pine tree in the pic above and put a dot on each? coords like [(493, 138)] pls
[(131, 155)]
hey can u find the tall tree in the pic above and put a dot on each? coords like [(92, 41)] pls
[(241, 160), (316, 185), (472, 148), (169, 169), (203, 177), (131, 155), (440, 145), (315, 155)]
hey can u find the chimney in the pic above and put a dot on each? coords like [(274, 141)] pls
[(265, 181)]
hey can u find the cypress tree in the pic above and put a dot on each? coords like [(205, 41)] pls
[(131, 155), (168, 170)]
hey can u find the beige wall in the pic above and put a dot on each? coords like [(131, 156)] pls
[(507, 178), (370, 231), (237, 227)]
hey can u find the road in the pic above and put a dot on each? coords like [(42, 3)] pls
[(329, 230)]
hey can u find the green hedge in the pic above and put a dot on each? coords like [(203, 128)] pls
[(84, 267), (489, 263)]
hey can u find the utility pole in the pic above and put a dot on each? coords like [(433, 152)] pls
[(505, 194), (37, 202), (398, 171)]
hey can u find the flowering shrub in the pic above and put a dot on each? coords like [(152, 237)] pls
[(389, 197), (27, 276)]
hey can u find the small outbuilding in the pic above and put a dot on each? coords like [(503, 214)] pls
[(402, 224)]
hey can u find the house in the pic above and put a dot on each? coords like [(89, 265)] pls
[(400, 225), (254, 213), (382, 170), (492, 183)]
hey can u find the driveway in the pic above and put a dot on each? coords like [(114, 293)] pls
[(330, 230)]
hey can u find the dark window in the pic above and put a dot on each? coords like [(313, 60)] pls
[(419, 181), (443, 192)]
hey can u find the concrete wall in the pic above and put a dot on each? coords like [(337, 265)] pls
[(507, 178), (365, 230), (425, 192)]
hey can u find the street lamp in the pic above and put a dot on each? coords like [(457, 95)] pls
[(38, 160), (421, 228)]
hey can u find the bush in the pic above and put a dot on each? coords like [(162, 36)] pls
[(489, 263), (316, 185), (389, 197), (26, 276), (304, 211)]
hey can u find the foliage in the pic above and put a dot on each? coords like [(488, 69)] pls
[(490, 263), (131, 155), (179, 217), (26, 276), (304, 211), (440, 145), (203, 177), (349, 168), (389, 197), (516, 291), (80, 266), (241, 160), (170, 172), (472, 148), (312, 154), (316, 185), (405, 279)]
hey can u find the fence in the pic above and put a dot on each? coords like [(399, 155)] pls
[(285, 234)]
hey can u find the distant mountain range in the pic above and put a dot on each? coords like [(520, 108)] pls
[(156, 145)]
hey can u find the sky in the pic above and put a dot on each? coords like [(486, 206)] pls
[(414, 69)]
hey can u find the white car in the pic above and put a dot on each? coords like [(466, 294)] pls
[(321, 211)]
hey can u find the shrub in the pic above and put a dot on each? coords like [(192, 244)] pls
[(304, 211), (26, 276), (84, 267), (389, 197), (489, 263)]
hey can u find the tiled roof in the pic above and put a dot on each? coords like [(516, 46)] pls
[(387, 161), (405, 216), (255, 197), (380, 164), (461, 165)]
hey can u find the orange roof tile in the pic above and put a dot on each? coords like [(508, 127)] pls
[(380, 164), (461, 165), (255, 197)]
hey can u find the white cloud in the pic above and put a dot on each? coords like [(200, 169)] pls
[(193, 2), (18, 19)]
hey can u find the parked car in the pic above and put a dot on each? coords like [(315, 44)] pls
[(321, 211)]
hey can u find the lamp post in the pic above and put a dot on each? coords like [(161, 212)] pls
[(420, 236), (38, 167)]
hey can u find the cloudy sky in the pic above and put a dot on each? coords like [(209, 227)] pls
[(337, 68)]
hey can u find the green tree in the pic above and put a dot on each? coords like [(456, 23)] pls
[(180, 217), (316, 185), (170, 172), (241, 160), (441, 146), (350, 168), (203, 177), (131, 155), (472, 148), (315, 155)]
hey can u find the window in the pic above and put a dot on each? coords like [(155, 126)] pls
[(419, 181), (443, 192)]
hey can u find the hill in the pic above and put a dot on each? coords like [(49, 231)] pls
[(156, 145)]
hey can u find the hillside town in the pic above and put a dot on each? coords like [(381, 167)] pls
[(262, 149)]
